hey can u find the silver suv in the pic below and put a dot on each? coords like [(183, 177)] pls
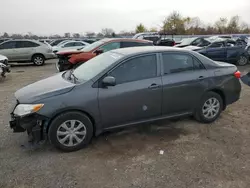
[(26, 51)]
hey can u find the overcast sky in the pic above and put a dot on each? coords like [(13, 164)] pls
[(60, 16)]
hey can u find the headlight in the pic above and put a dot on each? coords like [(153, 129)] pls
[(25, 109)]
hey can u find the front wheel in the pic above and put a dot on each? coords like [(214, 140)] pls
[(242, 60), (38, 60), (209, 108), (70, 131)]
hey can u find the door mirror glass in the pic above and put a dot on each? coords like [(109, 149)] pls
[(109, 81), (98, 51)]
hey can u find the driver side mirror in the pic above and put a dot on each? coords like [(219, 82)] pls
[(108, 81), (99, 51)]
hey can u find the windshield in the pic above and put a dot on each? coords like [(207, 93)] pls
[(94, 66), (92, 46), (187, 41)]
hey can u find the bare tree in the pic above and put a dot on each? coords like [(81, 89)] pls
[(90, 34), (107, 32), (234, 25), (67, 35), (76, 35), (174, 24), (6, 35)]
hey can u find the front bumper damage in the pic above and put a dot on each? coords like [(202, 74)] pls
[(34, 124)]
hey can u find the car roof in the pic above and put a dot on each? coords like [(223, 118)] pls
[(148, 49), (125, 39)]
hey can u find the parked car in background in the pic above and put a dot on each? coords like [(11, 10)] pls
[(194, 41), (69, 45), (124, 87), (45, 41), (57, 41), (71, 59), (4, 39), (227, 50), (26, 51), (165, 42)]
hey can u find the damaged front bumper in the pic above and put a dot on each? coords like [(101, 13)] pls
[(34, 124)]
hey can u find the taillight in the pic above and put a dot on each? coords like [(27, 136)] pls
[(237, 74), (174, 44)]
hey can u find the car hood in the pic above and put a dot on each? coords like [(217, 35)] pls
[(192, 47), (52, 86), (181, 45), (2, 57), (68, 52), (82, 57)]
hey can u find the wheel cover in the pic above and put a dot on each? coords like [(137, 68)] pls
[(71, 133), (211, 108), (242, 60), (38, 60)]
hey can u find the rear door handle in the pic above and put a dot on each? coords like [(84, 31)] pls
[(154, 86)]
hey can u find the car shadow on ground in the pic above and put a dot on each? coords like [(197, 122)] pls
[(138, 137)]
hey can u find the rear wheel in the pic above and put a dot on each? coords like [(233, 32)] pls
[(38, 60), (242, 60), (70, 131), (209, 108)]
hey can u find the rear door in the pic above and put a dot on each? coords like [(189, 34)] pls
[(216, 51), (184, 81), (7, 49), (24, 50), (137, 94)]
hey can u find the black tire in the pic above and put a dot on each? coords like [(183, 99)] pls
[(199, 115), (242, 60), (64, 117), (59, 66), (38, 59)]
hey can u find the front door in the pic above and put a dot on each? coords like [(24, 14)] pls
[(216, 51), (184, 81), (137, 94)]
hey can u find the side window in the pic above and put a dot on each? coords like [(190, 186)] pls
[(217, 45), (26, 44), (110, 46), (79, 44), (138, 68), (196, 42), (230, 44), (197, 64), (8, 45), (174, 63), (70, 44)]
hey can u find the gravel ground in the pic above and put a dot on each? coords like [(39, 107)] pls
[(195, 155)]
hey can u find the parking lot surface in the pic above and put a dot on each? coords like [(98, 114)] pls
[(195, 155)]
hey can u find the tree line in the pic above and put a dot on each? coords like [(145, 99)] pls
[(174, 23), (177, 24)]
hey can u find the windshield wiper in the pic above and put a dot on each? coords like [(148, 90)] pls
[(71, 74)]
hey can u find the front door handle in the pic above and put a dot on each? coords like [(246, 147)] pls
[(154, 86), (200, 78)]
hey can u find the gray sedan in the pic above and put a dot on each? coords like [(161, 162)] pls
[(121, 88)]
